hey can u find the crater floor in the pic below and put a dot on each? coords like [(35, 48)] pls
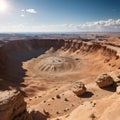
[(53, 63)]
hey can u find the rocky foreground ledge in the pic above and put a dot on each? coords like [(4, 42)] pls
[(13, 106)]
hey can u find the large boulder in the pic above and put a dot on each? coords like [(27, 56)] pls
[(13, 106), (104, 80), (79, 88)]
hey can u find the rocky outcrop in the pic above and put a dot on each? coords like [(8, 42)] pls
[(79, 88), (104, 80), (12, 106), (90, 47)]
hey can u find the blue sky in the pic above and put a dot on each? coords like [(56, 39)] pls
[(60, 16)]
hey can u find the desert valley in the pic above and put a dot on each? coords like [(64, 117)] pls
[(60, 78)]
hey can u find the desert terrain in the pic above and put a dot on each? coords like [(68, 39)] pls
[(45, 72)]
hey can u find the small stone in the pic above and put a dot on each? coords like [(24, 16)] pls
[(58, 96), (91, 101), (57, 119), (72, 105), (53, 98), (44, 101), (118, 90), (94, 104), (57, 112), (66, 100), (66, 109)]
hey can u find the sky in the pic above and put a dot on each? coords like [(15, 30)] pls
[(59, 15)]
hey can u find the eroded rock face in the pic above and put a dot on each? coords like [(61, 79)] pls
[(104, 80), (79, 88), (12, 106)]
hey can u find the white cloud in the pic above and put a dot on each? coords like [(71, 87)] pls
[(109, 25), (33, 11), (25, 11), (22, 15), (22, 10), (102, 25)]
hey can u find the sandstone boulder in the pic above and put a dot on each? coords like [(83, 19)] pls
[(104, 80), (79, 88), (12, 106), (118, 90)]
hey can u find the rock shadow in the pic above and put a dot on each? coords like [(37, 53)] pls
[(111, 88), (87, 94), (36, 115), (13, 73)]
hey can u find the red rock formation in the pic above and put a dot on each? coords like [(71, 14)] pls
[(12, 106), (89, 47)]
